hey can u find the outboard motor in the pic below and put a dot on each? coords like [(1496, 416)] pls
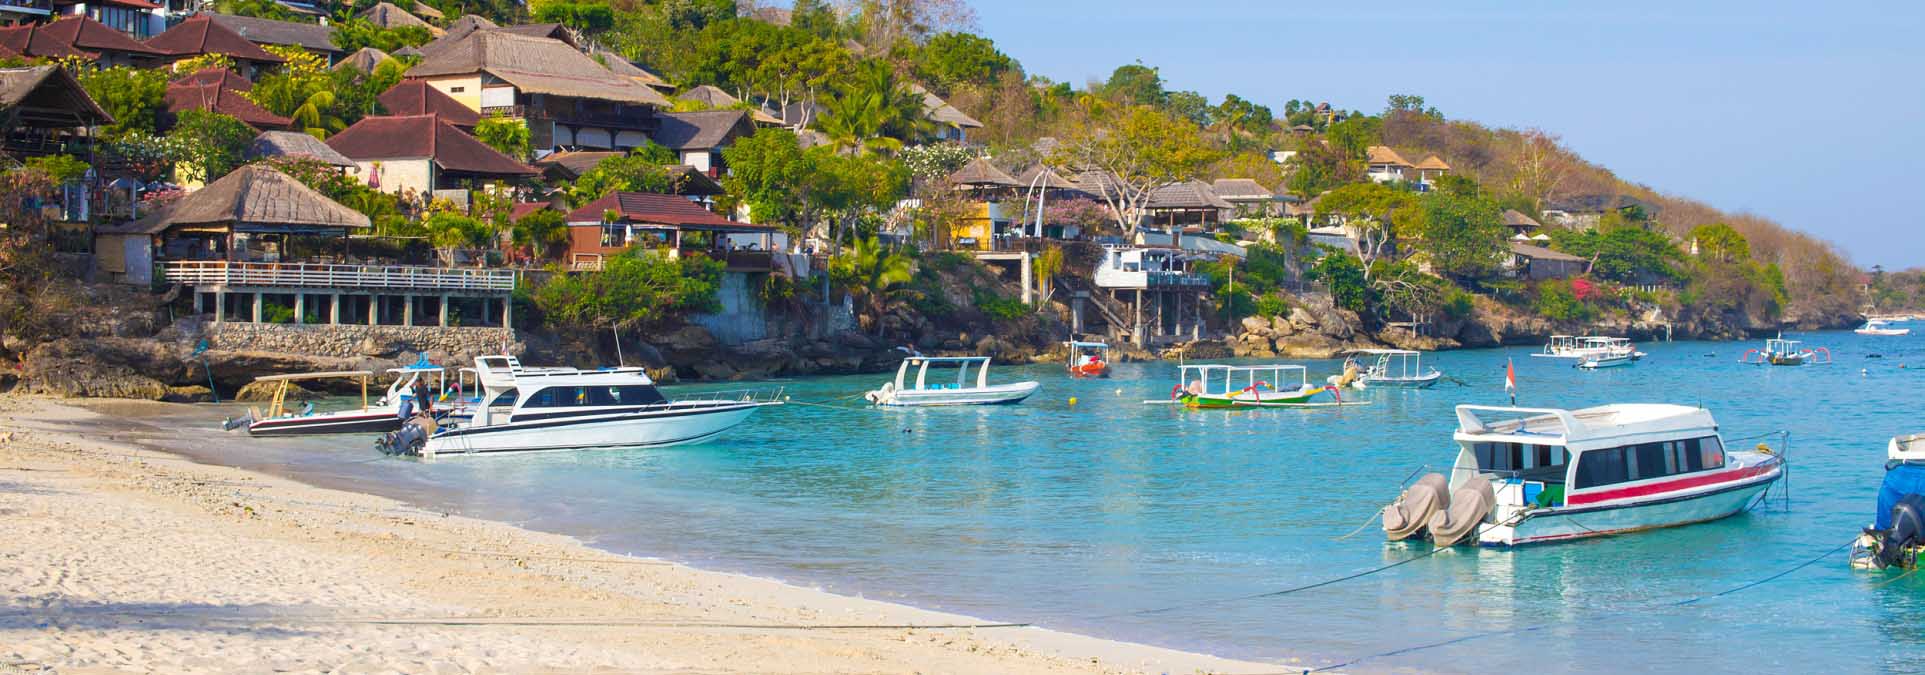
[(1468, 507), (409, 439), (1407, 517), (1899, 544)]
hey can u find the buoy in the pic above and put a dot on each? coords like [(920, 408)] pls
[(1119, 391), (1072, 400)]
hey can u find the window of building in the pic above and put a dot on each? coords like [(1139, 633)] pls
[(456, 90)]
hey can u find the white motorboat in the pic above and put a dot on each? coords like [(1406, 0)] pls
[(1395, 368), (1531, 475), (1896, 536), (1572, 347), (538, 409), (379, 416), (1605, 360), (923, 392), (1877, 327)]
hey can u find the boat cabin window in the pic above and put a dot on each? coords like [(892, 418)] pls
[(1522, 458), (1647, 461), (506, 398), (568, 397)]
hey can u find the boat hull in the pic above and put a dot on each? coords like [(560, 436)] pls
[(1250, 399), (1581, 522), (670, 425), (1002, 394), (372, 422), (1606, 362), (1420, 382), (1884, 331)]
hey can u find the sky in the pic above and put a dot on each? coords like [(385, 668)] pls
[(1811, 113)]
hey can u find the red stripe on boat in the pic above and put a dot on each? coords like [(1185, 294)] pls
[(1671, 485)]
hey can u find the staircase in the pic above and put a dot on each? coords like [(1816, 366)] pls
[(1107, 309)]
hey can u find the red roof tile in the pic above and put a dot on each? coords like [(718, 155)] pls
[(216, 98), (657, 209), (70, 36), (521, 210), (424, 136), (221, 77), (199, 34), (415, 97)]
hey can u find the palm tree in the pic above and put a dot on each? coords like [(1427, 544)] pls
[(540, 232), (316, 115), (874, 111), (876, 274)]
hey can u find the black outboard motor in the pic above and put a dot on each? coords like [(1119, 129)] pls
[(1898, 545), (407, 440)]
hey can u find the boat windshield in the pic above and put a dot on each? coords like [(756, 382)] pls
[(1530, 461)]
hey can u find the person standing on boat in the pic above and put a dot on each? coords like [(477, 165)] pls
[(423, 396)]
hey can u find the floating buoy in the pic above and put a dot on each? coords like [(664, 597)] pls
[(1119, 391), (1072, 400)]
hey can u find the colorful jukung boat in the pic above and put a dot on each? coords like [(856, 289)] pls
[(1268, 386)]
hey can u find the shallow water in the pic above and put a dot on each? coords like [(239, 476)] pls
[(1079, 517)]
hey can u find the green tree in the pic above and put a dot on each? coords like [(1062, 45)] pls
[(1135, 84), (507, 134), (1191, 106), (1624, 253), (934, 161), (875, 274), (1463, 236), (264, 9), (451, 232), (542, 232), (133, 96), (1345, 279), (697, 14), (302, 89), (769, 173), (353, 34), (874, 111), (583, 16), (631, 173), (1718, 241), (1237, 113), (1353, 137), (214, 144), (845, 188), (62, 169), (1141, 149), (636, 288), (1318, 167), (951, 60)]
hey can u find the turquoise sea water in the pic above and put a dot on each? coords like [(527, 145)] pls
[(1080, 517)]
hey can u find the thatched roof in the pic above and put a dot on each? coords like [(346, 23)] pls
[(47, 96), (552, 31), (200, 34), (76, 36), (716, 99), (252, 195), (1541, 253), (1241, 190), (216, 77), (415, 97), (1097, 183), (1433, 163), (1515, 218), (980, 173), (422, 10), (389, 15), (625, 68), (1382, 154), (535, 66), (940, 111), (572, 164), (1599, 203), (1050, 179), (296, 145), (1188, 195), (310, 36), (365, 59), (704, 130), (424, 136)]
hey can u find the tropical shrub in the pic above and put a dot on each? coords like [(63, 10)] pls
[(636, 288)]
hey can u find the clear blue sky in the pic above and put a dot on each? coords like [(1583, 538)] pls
[(1808, 113)]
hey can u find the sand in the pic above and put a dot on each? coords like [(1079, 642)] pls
[(120, 558)]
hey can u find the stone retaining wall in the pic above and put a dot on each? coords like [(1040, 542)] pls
[(344, 341)]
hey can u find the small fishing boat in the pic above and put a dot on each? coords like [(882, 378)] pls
[(1226, 386), (922, 392), (1560, 347), (1878, 327), (1897, 534), (1532, 475), (379, 416), (1088, 359), (1572, 347), (1395, 368), (540, 409), (1605, 360), (1782, 352)]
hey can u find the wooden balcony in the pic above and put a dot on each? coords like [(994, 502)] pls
[(220, 273)]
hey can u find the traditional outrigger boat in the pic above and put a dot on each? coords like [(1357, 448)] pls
[(1227, 386), (1782, 352), (922, 392), (379, 416), (1583, 348), (540, 409), (1394, 368), (1881, 327), (1897, 534), (1088, 359), (1531, 475)]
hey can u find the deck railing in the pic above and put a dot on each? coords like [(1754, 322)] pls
[(316, 275)]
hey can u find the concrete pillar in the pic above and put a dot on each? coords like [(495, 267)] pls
[(1137, 318), (334, 309), (374, 310), (300, 308), (444, 311), (260, 301), (407, 310), (1076, 313), (220, 306), (507, 313), (1029, 282), (197, 303)]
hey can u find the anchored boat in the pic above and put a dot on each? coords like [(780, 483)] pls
[(1880, 327), (1583, 348), (1088, 359), (380, 416), (1395, 368), (1531, 475), (1897, 534), (922, 392), (1782, 352), (536, 409), (1226, 386)]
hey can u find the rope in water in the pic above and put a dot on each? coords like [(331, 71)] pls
[(1272, 594), (1379, 513)]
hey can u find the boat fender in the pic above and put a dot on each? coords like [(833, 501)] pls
[(1469, 505), (1407, 516)]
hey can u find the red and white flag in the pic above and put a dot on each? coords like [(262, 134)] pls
[(1510, 380)]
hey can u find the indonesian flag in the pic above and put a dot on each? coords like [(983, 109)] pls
[(1510, 379)]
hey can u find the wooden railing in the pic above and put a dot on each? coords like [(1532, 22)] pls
[(314, 275)]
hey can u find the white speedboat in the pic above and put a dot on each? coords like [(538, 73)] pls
[(1605, 360), (537, 409), (1571, 347), (921, 391), (379, 416), (1896, 536), (1877, 327), (1395, 368), (1531, 475)]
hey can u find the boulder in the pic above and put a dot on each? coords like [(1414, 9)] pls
[(1281, 325), (256, 392), (1255, 324), (715, 370), (1309, 346), (192, 393), (687, 339)]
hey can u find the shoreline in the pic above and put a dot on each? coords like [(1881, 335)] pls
[(192, 567)]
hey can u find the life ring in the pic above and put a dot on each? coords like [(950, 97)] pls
[(1176, 391)]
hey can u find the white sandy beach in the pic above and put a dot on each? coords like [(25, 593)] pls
[(119, 558)]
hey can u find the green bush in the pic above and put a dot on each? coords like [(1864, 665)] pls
[(272, 312), (1457, 304), (1271, 305), (998, 307), (1557, 301), (633, 288)]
